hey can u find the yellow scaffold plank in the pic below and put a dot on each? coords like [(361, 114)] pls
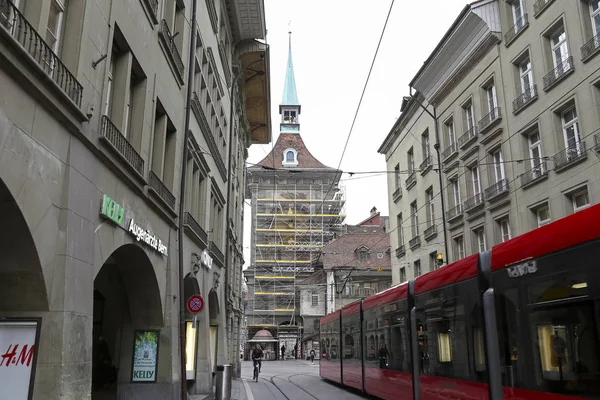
[(301, 200), (274, 277), (299, 215), (288, 230), (285, 261), (288, 245), (283, 309), (275, 293)]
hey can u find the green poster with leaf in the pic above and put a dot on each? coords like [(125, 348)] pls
[(145, 356)]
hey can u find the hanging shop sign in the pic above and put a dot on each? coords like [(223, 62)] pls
[(116, 213), (145, 356), (18, 340), (206, 259)]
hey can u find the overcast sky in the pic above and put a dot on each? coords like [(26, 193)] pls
[(333, 43)]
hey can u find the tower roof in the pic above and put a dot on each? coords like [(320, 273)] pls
[(291, 141), (290, 95)]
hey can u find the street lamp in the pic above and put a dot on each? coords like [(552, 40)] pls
[(406, 101)]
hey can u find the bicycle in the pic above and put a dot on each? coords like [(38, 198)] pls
[(256, 369)]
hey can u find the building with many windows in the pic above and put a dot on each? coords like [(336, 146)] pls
[(514, 86), (92, 130)]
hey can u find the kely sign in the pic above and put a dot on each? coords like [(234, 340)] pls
[(116, 213)]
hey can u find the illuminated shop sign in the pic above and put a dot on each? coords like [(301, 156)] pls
[(116, 213)]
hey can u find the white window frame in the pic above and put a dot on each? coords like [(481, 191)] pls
[(61, 6), (526, 71), (459, 242), (414, 216), (517, 5), (451, 133), (504, 226), (470, 116), (411, 160), (559, 44), (430, 207), (397, 179), (426, 147), (480, 236), (499, 172), (492, 100), (402, 274), (541, 222), (314, 295), (577, 194), (475, 180), (417, 264), (456, 191), (400, 227), (285, 153), (536, 161), (593, 14), (568, 124), (109, 86)]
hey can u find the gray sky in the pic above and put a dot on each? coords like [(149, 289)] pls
[(333, 43)]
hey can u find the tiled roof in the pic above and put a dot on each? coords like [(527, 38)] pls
[(291, 140), (341, 251)]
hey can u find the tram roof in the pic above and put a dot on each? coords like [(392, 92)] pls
[(390, 295), (458, 271), (330, 317), (351, 309)]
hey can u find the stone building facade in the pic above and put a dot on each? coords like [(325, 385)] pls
[(92, 122), (514, 87)]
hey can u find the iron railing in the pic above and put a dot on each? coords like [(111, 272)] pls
[(414, 242), (558, 73), (216, 254), (597, 142), (453, 148), (513, 32), (400, 251), (489, 118), (467, 137), (425, 164), (165, 34), (32, 42), (497, 189), (121, 145), (225, 63), (161, 190), (212, 13), (153, 6), (397, 194), (535, 173), (590, 47), (570, 155), (525, 98), (473, 202), (540, 5), (208, 136), (454, 212), (430, 231), (190, 223), (412, 179)]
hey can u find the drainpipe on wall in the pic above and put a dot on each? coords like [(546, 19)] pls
[(182, 300)]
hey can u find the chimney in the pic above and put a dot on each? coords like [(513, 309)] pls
[(373, 211)]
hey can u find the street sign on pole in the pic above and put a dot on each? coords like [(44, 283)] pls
[(195, 304)]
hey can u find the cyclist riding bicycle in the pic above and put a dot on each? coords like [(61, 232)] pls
[(257, 355)]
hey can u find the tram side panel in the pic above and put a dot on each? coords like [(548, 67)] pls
[(352, 350), (330, 366)]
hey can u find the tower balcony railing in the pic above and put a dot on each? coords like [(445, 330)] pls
[(17, 26), (559, 73)]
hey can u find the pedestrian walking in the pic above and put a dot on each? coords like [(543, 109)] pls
[(312, 356), (283, 352)]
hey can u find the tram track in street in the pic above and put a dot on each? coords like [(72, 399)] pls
[(289, 379)]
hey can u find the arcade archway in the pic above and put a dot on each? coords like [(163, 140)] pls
[(126, 303)]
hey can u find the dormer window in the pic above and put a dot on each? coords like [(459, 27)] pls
[(290, 158), (289, 117), (363, 253)]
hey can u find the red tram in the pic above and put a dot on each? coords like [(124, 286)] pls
[(520, 321)]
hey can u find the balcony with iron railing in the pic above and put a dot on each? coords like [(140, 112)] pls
[(430, 232), (473, 203), (411, 180), (119, 144), (426, 165), (489, 119), (169, 42), (454, 213), (198, 111), (400, 251), (468, 138), (193, 227), (528, 96), (161, 190), (534, 175), (414, 242), (216, 254), (496, 190), (397, 194), (591, 48), (570, 156), (597, 142), (452, 150), (520, 25), (153, 7), (539, 6), (29, 40), (559, 73), (225, 63)]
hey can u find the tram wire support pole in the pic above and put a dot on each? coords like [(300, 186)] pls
[(182, 300), (436, 146)]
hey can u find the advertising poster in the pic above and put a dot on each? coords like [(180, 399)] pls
[(17, 358), (145, 356)]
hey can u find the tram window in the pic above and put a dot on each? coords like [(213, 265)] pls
[(478, 345), (508, 315), (557, 287)]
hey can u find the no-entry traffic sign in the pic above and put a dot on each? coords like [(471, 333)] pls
[(195, 304)]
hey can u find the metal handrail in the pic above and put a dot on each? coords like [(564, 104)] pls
[(165, 33), (497, 188), (412, 178), (194, 226), (430, 230), (414, 242), (469, 134), (450, 150), (590, 47), (534, 173), (517, 28), (540, 6), (557, 73), (473, 201), (570, 154), (400, 251), (216, 253), (32, 42), (489, 118), (426, 163), (161, 189), (524, 98), (120, 143), (454, 212)]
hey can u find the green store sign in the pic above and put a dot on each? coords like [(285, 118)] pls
[(112, 210)]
